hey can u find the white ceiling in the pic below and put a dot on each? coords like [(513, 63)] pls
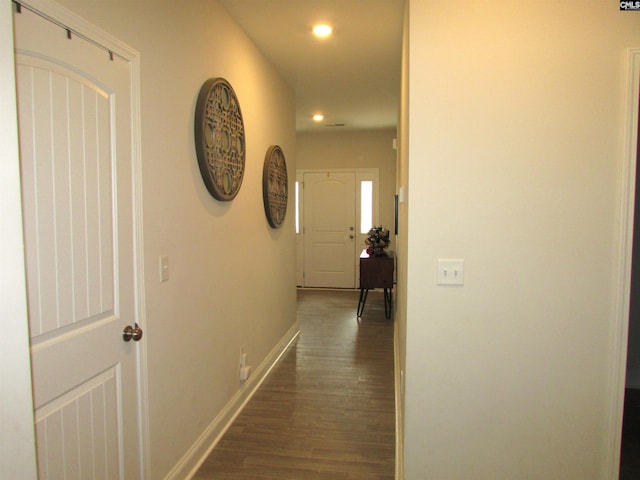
[(353, 77)]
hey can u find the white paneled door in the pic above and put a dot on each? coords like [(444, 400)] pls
[(75, 123), (330, 229)]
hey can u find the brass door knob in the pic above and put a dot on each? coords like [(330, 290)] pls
[(132, 333)]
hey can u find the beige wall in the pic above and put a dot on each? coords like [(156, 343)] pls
[(232, 277), (515, 154), (354, 149)]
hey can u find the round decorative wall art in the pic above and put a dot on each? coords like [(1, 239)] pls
[(220, 140), (274, 186)]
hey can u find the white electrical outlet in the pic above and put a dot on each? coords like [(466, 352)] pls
[(245, 372)]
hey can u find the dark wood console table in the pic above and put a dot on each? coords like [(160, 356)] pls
[(376, 272)]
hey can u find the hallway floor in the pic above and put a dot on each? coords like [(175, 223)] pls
[(327, 409)]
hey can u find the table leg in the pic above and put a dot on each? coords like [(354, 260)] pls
[(387, 302), (363, 299)]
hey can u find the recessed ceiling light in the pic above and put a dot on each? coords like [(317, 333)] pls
[(318, 117), (322, 30)]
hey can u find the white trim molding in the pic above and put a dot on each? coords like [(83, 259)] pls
[(619, 338), (17, 436)]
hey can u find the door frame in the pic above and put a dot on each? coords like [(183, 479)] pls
[(80, 27), (17, 437), (299, 226), (360, 175), (618, 361)]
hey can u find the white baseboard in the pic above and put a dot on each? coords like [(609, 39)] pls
[(189, 464)]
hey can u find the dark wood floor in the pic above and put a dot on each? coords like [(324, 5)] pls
[(327, 410)]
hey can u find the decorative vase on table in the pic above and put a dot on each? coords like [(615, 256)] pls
[(377, 241)]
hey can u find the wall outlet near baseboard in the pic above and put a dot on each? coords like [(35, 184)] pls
[(245, 371)]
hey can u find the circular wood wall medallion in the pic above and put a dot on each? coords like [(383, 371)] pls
[(275, 186), (220, 140)]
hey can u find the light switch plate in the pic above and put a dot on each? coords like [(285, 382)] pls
[(164, 268), (402, 195), (450, 271)]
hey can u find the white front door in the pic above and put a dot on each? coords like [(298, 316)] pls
[(330, 229), (75, 122)]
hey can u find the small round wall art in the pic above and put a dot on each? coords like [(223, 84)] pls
[(220, 140), (274, 186)]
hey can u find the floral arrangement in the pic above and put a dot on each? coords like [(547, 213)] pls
[(377, 240)]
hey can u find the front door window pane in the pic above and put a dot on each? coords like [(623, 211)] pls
[(366, 206)]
